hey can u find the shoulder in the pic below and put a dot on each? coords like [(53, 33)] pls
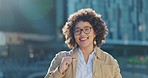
[(106, 57), (58, 57), (62, 54)]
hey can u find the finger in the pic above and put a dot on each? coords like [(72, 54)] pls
[(68, 57), (69, 60), (67, 63)]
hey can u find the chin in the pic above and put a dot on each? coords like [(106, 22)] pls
[(83, 45)]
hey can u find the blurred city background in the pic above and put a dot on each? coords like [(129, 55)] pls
[(30, 34)]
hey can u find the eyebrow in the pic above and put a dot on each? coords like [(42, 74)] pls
[(79, 28)]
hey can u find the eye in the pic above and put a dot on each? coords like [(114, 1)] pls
[(87, 28), (77, 30)]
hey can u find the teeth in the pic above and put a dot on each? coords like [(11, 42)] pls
[(83, 38)]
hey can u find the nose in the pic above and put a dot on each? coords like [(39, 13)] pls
[(82, 32)]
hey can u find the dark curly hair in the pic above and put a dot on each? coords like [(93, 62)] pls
[(85, 15)]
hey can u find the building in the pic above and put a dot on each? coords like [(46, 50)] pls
[(30, 32)]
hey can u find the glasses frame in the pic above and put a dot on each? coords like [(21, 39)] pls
[(80, 31)]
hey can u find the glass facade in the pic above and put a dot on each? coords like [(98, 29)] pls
[(126, 20)]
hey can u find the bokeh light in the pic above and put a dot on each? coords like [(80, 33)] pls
[(35, 9)]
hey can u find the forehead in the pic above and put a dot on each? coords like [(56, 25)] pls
[(82, 24)]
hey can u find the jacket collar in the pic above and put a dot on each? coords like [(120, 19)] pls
[(99, 53), (74, 53)]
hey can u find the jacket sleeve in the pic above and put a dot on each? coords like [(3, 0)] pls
[(117, 73), (53, 69)]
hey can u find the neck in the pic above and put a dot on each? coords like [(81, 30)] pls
[(87, 50)]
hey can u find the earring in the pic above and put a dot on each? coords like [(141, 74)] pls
[(94, 42)]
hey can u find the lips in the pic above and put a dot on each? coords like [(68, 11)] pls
[(83, 39)]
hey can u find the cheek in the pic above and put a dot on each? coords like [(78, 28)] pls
[(92, 38), (76, 38), (93, 35)]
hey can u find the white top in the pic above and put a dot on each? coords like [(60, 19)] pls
[(85, 70)]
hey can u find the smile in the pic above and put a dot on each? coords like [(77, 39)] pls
[(83, 39)]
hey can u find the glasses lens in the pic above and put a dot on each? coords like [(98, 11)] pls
[(87, 30), (77, 31)]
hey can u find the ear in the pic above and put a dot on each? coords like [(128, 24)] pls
[(95, 38), (95, 35), (94, 41)]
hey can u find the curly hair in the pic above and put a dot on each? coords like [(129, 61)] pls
[(85, 15)]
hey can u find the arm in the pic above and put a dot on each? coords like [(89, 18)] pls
[(59, 65), (53, 71), (117, 73)]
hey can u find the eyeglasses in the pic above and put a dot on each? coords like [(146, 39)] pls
[(86, 30)]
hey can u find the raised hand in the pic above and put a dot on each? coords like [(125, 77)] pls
[(66, 61)]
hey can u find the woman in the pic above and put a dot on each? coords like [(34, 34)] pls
[(84, 31)]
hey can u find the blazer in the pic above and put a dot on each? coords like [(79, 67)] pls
[(105, 66)]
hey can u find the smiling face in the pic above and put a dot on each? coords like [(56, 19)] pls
[(84, 34)]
